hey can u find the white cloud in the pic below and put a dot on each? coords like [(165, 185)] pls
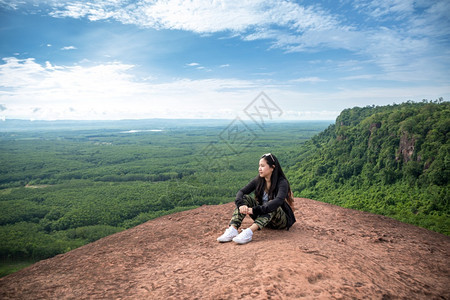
[(326, 105), (202, 16), (9, 4), (198, 66), (399, 40), (308, 79), (359, 77), (380, 8), (396, 33), (69, 48), (110, 91), (16, 73), (297, 27)]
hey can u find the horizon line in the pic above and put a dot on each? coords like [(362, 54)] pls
[(168, 119)]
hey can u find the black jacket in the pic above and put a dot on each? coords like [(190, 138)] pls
[(272, 204)]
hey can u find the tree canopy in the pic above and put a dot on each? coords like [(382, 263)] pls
[(392, 160)]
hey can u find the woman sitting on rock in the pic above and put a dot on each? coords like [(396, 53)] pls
[(271, 207)]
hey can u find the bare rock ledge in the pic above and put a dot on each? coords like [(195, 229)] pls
[(330, 253)]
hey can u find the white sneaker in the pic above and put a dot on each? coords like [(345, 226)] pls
[(228, 236), (244, 237)]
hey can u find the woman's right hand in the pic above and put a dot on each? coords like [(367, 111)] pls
[(243, 209)]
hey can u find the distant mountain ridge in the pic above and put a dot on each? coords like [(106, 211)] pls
[(392, 160), (12, 125), (19, 125)]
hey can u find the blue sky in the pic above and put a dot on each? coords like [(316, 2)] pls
[(123, 59)]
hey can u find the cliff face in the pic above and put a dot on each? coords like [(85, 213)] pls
[(406, 148), (331, 252)]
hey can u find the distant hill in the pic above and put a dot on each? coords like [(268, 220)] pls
[(392, 160), (18, 125)]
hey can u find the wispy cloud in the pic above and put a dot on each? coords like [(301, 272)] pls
[(351, 47), (292, 26), (111, 91), (68, 48), (296, 27), (382, 8), (198, 66), (204, 16), (359, 77), (308, 79)]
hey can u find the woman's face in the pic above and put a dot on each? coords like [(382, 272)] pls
[(264, 169)]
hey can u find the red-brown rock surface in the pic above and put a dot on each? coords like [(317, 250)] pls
[(330, 253)]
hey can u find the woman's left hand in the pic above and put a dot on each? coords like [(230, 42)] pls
[(250, 211)]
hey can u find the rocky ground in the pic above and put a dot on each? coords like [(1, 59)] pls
[(330, 253)]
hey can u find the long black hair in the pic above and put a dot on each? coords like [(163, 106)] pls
[(275, 178)]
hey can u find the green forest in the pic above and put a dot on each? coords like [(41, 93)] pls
[(67, 183), (392, 160), (64, 184)]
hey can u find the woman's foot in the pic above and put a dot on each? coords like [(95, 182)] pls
[(244, 237), (228, 236)]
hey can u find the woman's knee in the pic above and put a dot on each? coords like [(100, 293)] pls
[(279, 220), (263, 220)]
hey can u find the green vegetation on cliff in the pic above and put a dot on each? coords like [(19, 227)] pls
[(392, 160)]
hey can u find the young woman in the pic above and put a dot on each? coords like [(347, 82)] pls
[(271, 207)]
